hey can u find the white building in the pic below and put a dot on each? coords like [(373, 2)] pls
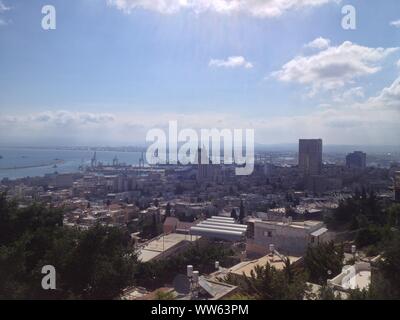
[(288, 237)]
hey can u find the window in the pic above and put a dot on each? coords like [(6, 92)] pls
[(268, 234)]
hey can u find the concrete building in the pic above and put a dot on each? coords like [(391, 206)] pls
[(356, 159), (310, 156), (357, 276), (63, 180), (165, 246), (288, 237), (206, 170), (275, 260)]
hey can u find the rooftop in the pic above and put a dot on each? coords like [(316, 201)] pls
[(163, 243), (275, 261), (308, 224)]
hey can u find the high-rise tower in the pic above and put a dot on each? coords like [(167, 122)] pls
[(310, 156)]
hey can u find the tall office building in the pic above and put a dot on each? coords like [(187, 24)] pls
[(310, 156), (356, 159), (204, 168), (397, 186)]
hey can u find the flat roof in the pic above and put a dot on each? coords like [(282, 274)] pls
[(201, 225), (216, 289), (247, 266), (294, 224), (319, 232), (161, 244)]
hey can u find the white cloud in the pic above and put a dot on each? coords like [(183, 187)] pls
[(334, 67), (372, 121), (395, 24), (231, 62), (60, 118), (319, 43), (398, 63), (3, 7), (355, 92), (258, 8), (388, 98)]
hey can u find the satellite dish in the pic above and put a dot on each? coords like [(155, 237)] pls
[(181, 284)]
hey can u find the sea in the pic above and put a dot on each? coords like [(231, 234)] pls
[(16, 163)]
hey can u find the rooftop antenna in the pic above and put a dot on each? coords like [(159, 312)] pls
[(193, 277), (271, 250), (354, 251), (141, 160)]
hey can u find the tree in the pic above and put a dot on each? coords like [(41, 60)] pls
[(393, 215), (242, 213), (202, 255), (323, 262), (268, 283), (326, 293), (234, 214), (101, 264), (386, 284), (163, 295), (359, 211), (240, 296), (368, 236), (168, 210), (95, 264)]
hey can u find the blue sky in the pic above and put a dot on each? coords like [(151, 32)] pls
[(113, 69)]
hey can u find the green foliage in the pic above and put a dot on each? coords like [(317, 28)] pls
[(202, 255), (168, 210), (368, 236), (268, 283), (234, 214), (93, 264), (393, 215), (386, 281), (357, 294), (369, 216), (323, 262), (162, 295), (100, 265), (242, 213), (150, 228), (359, 211), (240, 296), (327, 293)]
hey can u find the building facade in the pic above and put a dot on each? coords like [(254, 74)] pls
[(310, 156), (287, 236), (356, 159)]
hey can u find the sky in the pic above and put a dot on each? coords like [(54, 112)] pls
[(114, 69)]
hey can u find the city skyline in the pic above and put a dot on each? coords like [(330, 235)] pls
[(112, 70)]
